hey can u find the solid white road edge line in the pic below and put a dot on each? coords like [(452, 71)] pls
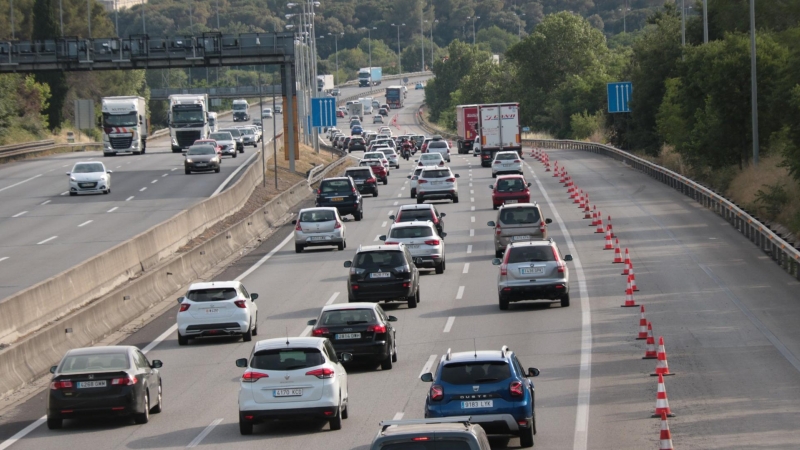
[(196, 441), (460, 293), (20, 214), (585, 378), (20, 182), (449, 324), (233, 174), (425, 369)]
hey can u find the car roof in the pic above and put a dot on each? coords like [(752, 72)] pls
[(520, 205), (346, 306), (512, 175), (214, 284), (436, 153), (537, 243), (413, 223), (375, 248), (292, 341), (337, 179), (413, 206), (318, 208), (99, 350), (421, 428), (480, 355)]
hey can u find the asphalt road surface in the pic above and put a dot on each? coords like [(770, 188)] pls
[(727, 314)]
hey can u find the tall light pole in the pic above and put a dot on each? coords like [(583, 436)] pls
[(422, 41), (336, 48), (473, 27), (753, 81), (432, 25), (13, 35), (683, 23), (705, 21), (61, 15), (144, 23), (519, 25), (369, 41), (399, 65)]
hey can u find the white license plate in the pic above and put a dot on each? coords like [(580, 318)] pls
[(508, 202), (506, 165), (91, 384), (200, 164), (320, 238), (380, 275), (413, 246), (288, 392), (477, 404), (437, 182), (348, 336), (531, 270), (359, 182), (521, 238), (212, 310)]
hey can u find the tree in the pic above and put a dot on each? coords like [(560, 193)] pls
[(495, 40), (44, 27), (449, 72)]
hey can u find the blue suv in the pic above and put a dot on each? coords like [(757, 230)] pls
[(489, 386)]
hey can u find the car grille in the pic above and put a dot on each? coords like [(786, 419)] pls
[(212, 326), (186, 138), (120, 143)]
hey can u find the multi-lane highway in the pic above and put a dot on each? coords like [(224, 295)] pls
[(727, 314)]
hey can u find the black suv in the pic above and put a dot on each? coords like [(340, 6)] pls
[(452, 433), (341, 193), (383, 273), (356, 143), (365, 179)]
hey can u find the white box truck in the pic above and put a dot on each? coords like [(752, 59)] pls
[(125, 125), (498, 130), (188, 119), (367, 102), (324, 83)]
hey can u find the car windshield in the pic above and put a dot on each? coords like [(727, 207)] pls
[(359, 174), (436, 173), (431, 157), (222, 136), (347, 317), (97, 362), (438, 444), (511, 185), (411, 215), (410, 232), (505, 157), (530, 254), (317, 215), (212, 294), (380, 259), (328, 186), (374, 155), (120, 120), (88, 168), (287, 359), (475, 372), (248, 131), (511, 216), (234, 133), (202, 150)]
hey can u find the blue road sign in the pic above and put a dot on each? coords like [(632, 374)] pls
[(619, 94), (323, 112), (526, 129)]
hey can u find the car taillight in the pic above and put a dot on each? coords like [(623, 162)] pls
[(240, 303), (338, 225), (184, 307), (124, 381), (319, 191), (298, 227), (498, 162), (441, 163), (377, 329), (437, 392), (56, 385), (542, 226), (371, 180), (497, 229), (516, 389), (435, 219), (321, 373), (355, 190), (390, 243), (319, 332), (432, 242), (504, 266), (421, 438), (421, 181), (451, 180), (516, 161), (252, 377)]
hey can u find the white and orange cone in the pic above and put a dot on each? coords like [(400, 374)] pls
[(599, 228), (632, 277), (627, 269), (587, 212), (650, 346), (611, 227), (642, 325), (665, 442), (629, 302), (662, 404), (662, 368), (594, 219), (609, 243), (578, 197), (617, 253)]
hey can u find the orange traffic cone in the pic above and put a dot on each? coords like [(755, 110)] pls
[(609, 243), (582, 203), (650, 344), (578, 197), (666, 437), (547, 167), (587, 213), (557, 171), (627, 269), (662, 368), (632, 276), (662, 404), (594, 219), (629, 302), (642, 325), (617, 253), (599, 228), (611, 227)]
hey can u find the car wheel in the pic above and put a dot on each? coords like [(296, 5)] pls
[(217, 170), (157, 409), (54, 424), (245, 428), (413, 193), (386, 364), (385, 181), (419, 200), (182, 340), (394, 352), (73, 194), (495, 206), (248, 335), (412, 301), (503, 304), (298, 248), (336, 421), (255, 326), (440, 268), (565, 300), (234, 154), (341, 246), (494, 175), (498, 253), (526, 438), (455, 199), (358, 216), (375, 194), (187, 171), (143, 418), (346, 411)]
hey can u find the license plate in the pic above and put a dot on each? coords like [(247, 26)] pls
[(212, 310), (359, 182), (413, 246), (437, 182), (521, 238), (380, 275), (511, 201), (288, 392), (531, 270), (320, 238), (337, 199), (87, 185), (200, 164), (348, 336), (91, 384), (477, 404)]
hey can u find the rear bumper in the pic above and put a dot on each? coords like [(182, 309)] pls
[(548, 291), (427, 261), (380, 292), (123, 404), (451, 194), (378, 350), (221, 328), (263, 415), (307, 239), (369, 188)]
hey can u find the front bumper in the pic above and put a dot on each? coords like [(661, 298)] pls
[(98, 187), (196, 167)]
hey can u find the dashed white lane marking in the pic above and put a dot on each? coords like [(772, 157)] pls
[(469, 248), (389, 212), (85, 223), (399, 195), (154, 182), (472, 219), (143, 189), (449, 324), (398, 416), (383, 225), (20, 214), (113, 209), (395, 203), (65, 165), (471, 191), (162, 176), (428, 364), (46, 240), (129, 198), (377, 238), (466, 268), (472, 232), (3, 258), (196, 441), (173, 169), (470, 185), (472, 208), (45, 202), (332, 299), (460, 293), (64, 193), (472, 199), (117, 167)]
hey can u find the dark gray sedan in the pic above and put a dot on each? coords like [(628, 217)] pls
[(201, 158), (103, 382)]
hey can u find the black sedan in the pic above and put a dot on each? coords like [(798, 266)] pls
[(104, 381), (201, 158)]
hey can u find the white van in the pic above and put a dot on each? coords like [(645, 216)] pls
[(212, 122), (266, 113)]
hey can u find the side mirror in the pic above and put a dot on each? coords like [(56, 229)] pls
[(312, 322), (533, 372), (443, 235), (348, 263), (392, 319), (426, 377), (548, 220), (392, 217), (346, 357), (109, 171), (567, 257), (491, 186), (458, 176), (180, 299), (69, 173), (241, 362), (442, 214), (254, 296), (496, 261), (529, 184), (156, 364), (382, 237), (53, 369), (490, 223), (294, 222), (409, 177), (416, 160)]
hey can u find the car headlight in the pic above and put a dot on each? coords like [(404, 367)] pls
[(215, 159), (189, 160)]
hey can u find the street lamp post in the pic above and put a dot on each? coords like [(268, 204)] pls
[(369, 42), (336, 49), (422, 41), (473, 27), (753, 81), (705, 21), (399, 63), (519, 25), (432, 25)]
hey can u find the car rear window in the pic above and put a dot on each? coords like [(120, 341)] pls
[(357, 140), (287, 359), (234, 133), (510, 185), (437, 144), (431, 157), (380, 259), (438, 444), (321, 215), (475, 372), (410, 215), (436, 173), (411, 232), (505, 157), (347, 317), (530, 254), (334, 186), (222, 136), (95, 363), (511, 216), (202, 150), (212, 294), (388, 152), (360, 174)]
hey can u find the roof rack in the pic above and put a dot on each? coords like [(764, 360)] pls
[(454, 419), (504, 350), (447, 356)]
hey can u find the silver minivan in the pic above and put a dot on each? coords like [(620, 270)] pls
[(518, 222)]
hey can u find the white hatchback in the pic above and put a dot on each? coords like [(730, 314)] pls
[(320, 226), (430, 159), (437, 183), (217, 308), (293, 378), (423, 242), (379, 156), (391, 155), (89, 178), (439, 146), (506, 162)]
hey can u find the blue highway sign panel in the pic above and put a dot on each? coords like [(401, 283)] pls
[(619, 94), (323, 112)]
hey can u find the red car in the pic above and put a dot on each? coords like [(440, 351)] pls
[(210, 142), (339, 113), (510, 189), (377, 168)]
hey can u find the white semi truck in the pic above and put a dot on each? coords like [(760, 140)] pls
[(188, 120), (125, 125), (497, 130)]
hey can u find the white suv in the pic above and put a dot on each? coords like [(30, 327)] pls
[(218, 308), (437, 182), (506, 162), (294, 377), (422, 240), (413, 183)]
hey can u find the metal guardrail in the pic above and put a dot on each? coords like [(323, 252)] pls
[(13, 148), (770, 242), (8, 151)]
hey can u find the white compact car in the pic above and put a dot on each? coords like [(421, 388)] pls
[(430, 159), (379, 156), (506, 162), (391, 155), (423, 242), (266, 113), (293, 378), (437, 183), (441, 147), (89, 178), (319, 226), (413, 183), (217, 308)]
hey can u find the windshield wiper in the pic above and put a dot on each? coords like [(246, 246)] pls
[(355, 322), (484, 380)]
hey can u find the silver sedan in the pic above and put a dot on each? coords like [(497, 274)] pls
[(319, 226)]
